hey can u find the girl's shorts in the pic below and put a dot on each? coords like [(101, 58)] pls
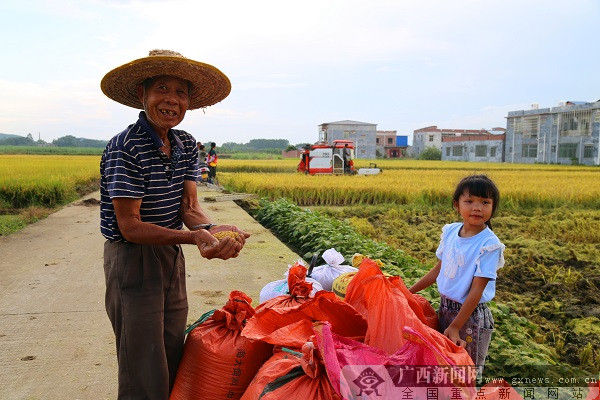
[(477, 331)]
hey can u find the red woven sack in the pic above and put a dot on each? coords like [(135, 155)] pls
[(346, 360), (299, 290), (292, 375), (218, 362)]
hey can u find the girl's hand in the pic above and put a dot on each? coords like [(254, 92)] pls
[(452, 334)]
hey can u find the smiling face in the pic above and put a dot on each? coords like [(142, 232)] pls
[(475, 212), (165, 100)]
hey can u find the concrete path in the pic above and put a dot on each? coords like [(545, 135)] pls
[(55, 338)]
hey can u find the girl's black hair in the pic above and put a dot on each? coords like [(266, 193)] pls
[(480, 186)]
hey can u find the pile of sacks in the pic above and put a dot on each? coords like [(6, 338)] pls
[(301, 343)]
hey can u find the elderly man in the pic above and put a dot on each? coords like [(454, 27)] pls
[(148, 192)]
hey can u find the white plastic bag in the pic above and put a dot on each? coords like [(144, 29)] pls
[(280, 287), (326, 274)]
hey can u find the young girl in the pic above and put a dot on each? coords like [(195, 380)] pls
[(469, 255)]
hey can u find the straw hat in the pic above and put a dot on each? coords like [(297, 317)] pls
[(210, 85)]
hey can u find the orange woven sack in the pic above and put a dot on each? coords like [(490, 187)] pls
[(292, 375), (419, 304), (387, 311), (218, 362), (292, 326)]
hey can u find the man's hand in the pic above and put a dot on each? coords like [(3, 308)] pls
[(242, 235), (224, 249)]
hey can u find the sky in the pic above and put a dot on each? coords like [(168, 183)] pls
[(293, 65)]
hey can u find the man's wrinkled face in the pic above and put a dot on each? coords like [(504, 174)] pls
[(165, 100)]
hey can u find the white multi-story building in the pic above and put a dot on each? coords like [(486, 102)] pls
[(565, 134), (432, 136)]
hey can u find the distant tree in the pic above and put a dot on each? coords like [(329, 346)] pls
[(30, 136), (17, 141), (72, 141), (291, 147), (263, 144), (83, 142), (273, 146), (431, 153), (66, 141)]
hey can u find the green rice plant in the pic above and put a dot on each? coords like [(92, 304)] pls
[(586, 355)]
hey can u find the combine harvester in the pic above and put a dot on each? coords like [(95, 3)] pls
[(323, 158)]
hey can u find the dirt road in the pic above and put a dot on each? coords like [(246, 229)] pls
[(56, 340)]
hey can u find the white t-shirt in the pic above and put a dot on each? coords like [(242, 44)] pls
[(464, 258)]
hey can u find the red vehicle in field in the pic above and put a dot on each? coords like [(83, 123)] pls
[(325, 158)]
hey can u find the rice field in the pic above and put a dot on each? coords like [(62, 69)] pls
[(44, 180), (289, 165), (534, 187)]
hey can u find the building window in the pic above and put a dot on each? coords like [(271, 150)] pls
[(390, 140), (431, 138), (377, 140), (529, 126), (576, 123), (457, 151), (553, 148), (588, 151), (567, 150), (529, 150), (346, 134), (448, 149), (517, 126), (480, 151), (492, 152)]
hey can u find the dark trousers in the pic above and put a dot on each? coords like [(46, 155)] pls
[(212, 173), (146, 303)]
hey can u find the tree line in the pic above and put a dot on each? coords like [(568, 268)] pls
[(65, 141), (274, 146), (269, 146)]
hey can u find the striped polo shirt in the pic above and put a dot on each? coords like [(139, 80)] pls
[(133, 166)]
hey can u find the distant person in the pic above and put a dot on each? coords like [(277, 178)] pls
[(202, 155), (470, 255), (346, 156), (203, 169), (148, 192), (212, 162)]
